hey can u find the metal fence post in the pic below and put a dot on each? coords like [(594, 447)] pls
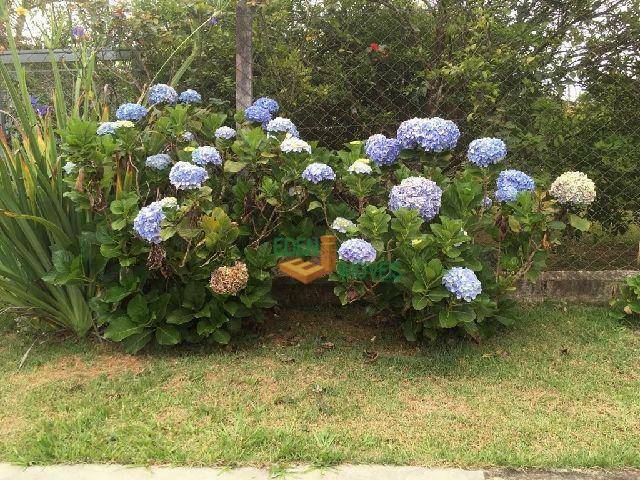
[(244, 54)]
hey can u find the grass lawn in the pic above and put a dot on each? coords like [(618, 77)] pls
[(562, 388)]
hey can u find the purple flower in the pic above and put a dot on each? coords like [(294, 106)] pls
[(486, 151), (78, 31), (205, 155), (510, 183), (463, 283), (148, 222), (269, 104), (432, 134), (416, 193), (190, 96), (382, 150), (280, 124), (162, 93), (257, 114), (42, 110), (224, 132), (131, 111), (159, 161), (358, 251), (187, 176), (317, 172)]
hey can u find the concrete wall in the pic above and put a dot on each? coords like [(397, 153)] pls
[(571, 286)]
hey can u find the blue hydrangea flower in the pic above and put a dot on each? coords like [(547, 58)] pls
[(356, 250), (317, 172), (204, 155), (190, 96), (416, 193), (159, 161), (131, 111), (69, 168), (280, 124), (463, 283), (432, 134), (187, 176), (508, 193), (512, 182), (187, 137), (382, 150), (106, 128), (148, 222), (162, 93), (487, 202), (257, 114), (149, 219), (224, 132), (486, 151), (269, 104)]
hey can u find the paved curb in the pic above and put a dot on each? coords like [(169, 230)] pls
[(344, 472)]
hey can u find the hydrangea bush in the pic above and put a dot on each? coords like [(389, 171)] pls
[(458, 234), (188, 207)]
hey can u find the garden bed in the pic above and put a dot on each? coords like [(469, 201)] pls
[(559, 389)]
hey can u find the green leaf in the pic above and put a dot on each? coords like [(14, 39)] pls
[(447, 319), (110, 250), (313, 205), (116, 293), (221, 336), (119, 224), (134, 343), (579, 223), (120, 328), (419, 302), (557, 225), (179, 316), (410, 330), (234, 167), (138, 309), (514, 225), (167, 335)]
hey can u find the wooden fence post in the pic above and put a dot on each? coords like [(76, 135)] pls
[(244, 54)]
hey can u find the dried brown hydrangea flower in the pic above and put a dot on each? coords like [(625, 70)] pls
[(230, 280)]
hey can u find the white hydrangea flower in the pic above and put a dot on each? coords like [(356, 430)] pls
[(573, 187), (169, 202), (342, 225), (293, 144), (361, 165)]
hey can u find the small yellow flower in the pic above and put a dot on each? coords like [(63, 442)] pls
[(628, 310), (124, 123), (22, 11), (189, 149), (364, 160)]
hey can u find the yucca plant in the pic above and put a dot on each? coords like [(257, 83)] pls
[(47, 254)]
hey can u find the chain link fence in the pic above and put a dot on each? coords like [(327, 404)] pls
[(558, 84), (558, 81)]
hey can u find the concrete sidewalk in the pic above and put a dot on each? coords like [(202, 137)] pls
[(344, 472)]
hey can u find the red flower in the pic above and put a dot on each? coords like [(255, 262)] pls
[(374, 47)]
